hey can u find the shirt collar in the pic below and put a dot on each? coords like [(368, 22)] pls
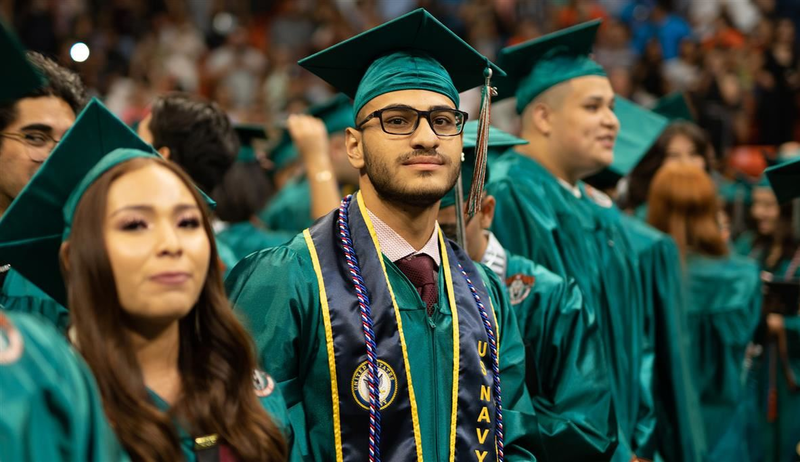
[(575, 190), (495, 256), (397, 248)]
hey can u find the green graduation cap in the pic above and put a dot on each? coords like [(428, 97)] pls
[(639, 130), (412, 52), (19, 77), (537, 65), (785, 180), (674, 107), (498, 140), (39, 219), (337, 113), (248, 133)]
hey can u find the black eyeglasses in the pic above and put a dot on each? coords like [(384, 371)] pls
[(404, 120)]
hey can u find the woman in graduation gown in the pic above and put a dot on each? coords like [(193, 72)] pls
[(175, 369), (772, 243), (681, 141), (776, 369), (723, 301)]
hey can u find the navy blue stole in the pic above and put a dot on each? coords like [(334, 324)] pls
[(473, 410)]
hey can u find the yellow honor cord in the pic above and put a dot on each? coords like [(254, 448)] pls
[(326, 317)]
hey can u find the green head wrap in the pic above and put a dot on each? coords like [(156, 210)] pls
[(404, 70)]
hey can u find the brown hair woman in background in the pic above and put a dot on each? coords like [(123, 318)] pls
[(723, 300), (681, 142)]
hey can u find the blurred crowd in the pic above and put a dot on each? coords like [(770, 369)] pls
[(736, 59)]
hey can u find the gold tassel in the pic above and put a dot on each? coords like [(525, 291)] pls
[(482, 145)]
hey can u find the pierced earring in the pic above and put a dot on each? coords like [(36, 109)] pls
[(463, 157)]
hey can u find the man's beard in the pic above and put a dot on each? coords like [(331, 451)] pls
[(380, 175)]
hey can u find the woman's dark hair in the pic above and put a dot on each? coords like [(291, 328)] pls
[(641, 176), (216, 359), (782, 244), (683, 203), (244, 191), (199, 136)]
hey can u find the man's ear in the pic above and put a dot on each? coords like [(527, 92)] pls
[(487, 211), (540, 116), (353, 142), (165, 152), (63, 255)]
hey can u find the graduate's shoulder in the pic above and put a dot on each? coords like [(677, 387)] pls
[(526, 278), (286, 257), (35, 349), (644, 237), (513, 170), (733, 277)]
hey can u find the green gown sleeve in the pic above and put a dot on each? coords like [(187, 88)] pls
[(679, 424), (20, 295), (274, 293), (275, 405), (51, 408), (566, 364), (723, 310), (522, 438), (509, 223)]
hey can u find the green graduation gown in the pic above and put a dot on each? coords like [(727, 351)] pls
[(245, 238), (20, 295), (276, 293), (290, 209), (273, 404), (723, 310), (745, 246), (51, 408), (679, 424), (566, 365), (779, 436), (538, 218)]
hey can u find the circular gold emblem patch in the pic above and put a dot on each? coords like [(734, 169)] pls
[(387, 385)]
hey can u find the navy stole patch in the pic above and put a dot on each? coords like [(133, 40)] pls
[(475, 413)]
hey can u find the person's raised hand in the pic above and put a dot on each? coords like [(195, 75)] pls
[(309, 136)]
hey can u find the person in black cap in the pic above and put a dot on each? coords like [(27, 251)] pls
[(39, 101), (388, 342)]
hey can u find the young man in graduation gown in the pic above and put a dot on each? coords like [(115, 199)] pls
[(39, 101), (546, 213), (317, 139), (566, 365), (679, 424), (777, 383), (384, 332)]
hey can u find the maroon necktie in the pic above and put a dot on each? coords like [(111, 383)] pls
[(420, 269)]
